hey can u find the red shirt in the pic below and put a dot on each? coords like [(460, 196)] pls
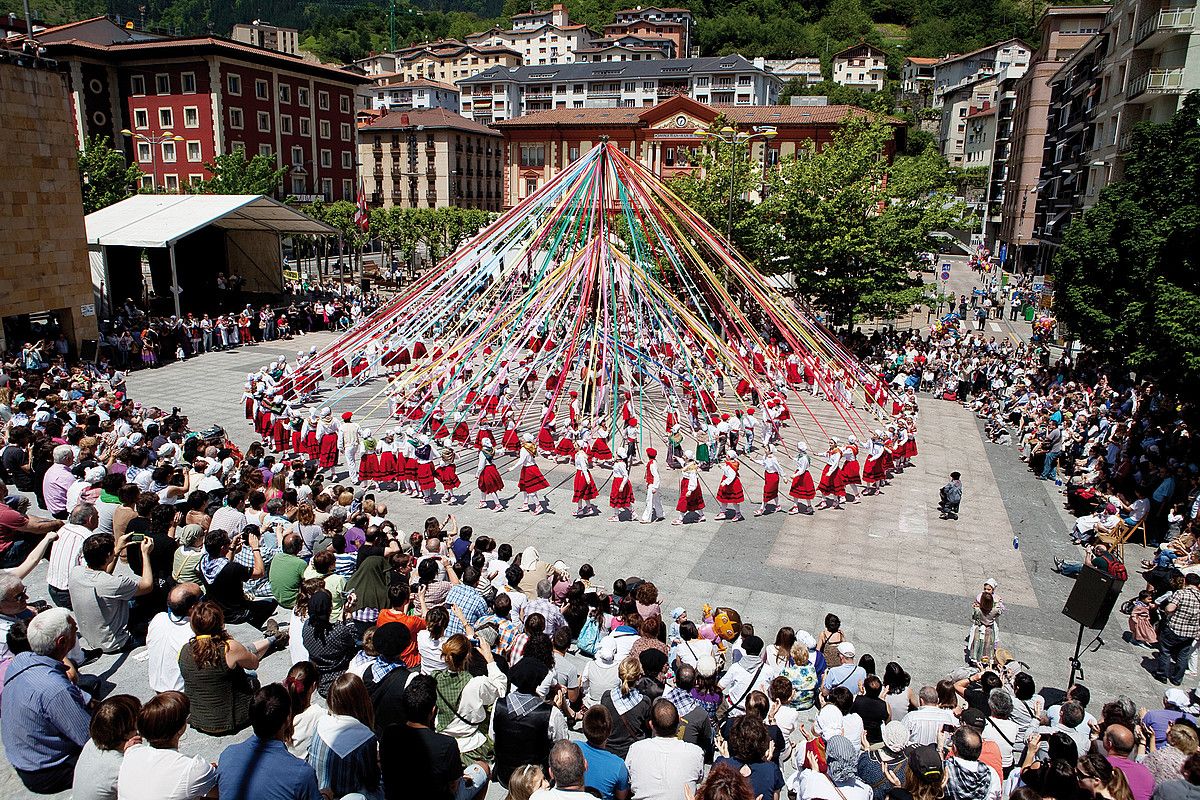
[(409, 655), (10, 522)]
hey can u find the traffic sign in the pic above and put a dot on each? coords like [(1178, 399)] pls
[(945, 273)]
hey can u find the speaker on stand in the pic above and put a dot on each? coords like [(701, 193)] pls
[(1090, 603)]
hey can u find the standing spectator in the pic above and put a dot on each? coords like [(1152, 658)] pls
[(261, 768), (1177, 635), (155, 769), (100, 599)]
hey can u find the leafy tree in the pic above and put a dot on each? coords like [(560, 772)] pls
[(104, 175), (879, 102), (1126, 274), (233, 173)]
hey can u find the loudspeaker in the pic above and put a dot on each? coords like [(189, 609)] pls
[(1092, 598)]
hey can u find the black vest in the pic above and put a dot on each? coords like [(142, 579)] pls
[(520, 740)]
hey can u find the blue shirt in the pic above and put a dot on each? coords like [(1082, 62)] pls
[(460, 547), (606, 772), (264, 770), (848, 675), (469, 602), (45, 717)]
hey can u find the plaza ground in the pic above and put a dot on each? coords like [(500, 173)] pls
[(901, 579)]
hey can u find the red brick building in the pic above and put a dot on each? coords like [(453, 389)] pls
[(539, 145), (218, 95)]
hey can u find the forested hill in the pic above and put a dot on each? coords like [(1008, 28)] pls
[(340, 30)]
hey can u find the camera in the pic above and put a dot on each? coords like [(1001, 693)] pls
[(175, 410)]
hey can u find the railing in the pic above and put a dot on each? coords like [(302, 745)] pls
[(538, 95), (1158, 81), (1177, 20)]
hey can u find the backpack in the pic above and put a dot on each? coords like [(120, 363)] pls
[(1117, 570), (589, 637)]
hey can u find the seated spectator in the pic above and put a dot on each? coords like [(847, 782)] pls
[(224, 578), (746, 675), (840, 778), (606, 773), (463, 699), (1119, 742), (1099, 779), (261, 768), (100, 599), (287, 571), (847, 673), (399, 595), (169, 631), (664, 766), (749, 743), (344, 750), (628, 708), (567, 770), (45, 715), (523, 724), (112, 731), (185, 563), (1187, 788), (967, 778), (154, 769), (301, 684), (330, 645)]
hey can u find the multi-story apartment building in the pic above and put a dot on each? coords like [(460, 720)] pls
[(540, 145), (430, 158), (862, 66), (1064, 30), (626, 48), (1000, 128), (916, 78), (499, 94), (272, 37), (652, 22), (962, 101), (410, 95), (377, 65), (803, 70), (541, 37), (219, 96), (956, 71), (449, 60)]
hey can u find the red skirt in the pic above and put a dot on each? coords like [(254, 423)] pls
[(565, 447), (873, 470), (368, 467), (261, 420), (279, 433), (910, 448), (585, 487), (358, 368), (770, 487), (731, 492), (448, 476), (339, 369), (489, 481), (438, 429), (424, 476), (599, 451), (830, 481), (250, 408), (532, 480), (462, 433), (545, 440), (692, 501), (297, 442), (311, 447), (408, 468), (484, 434), (511, 441), (328, 451), (802, 487), (418, 349), (387, 466), (622, 497), (850, 473)]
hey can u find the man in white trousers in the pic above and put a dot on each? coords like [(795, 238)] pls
[(350, 444), (654, 510)]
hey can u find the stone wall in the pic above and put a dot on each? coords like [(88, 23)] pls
[(43, 248)]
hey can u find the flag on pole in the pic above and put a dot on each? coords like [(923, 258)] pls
[(361, 218)]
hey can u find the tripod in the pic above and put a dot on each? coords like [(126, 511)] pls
[(1092, 646)]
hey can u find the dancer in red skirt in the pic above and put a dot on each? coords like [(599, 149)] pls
[(280, 431), (311, 445), (802, 490), (599, 451), (368, 464), (770, 495), (830, 485), (729, 492), (447, 475), (546, 444), (248, 397), (691, 499), (462, 431), (565, 448), (406, 460), (511, 439), (327, 439), (423, 455), (873, 471), (488, 479), (620, 496), (532, 482), (295, 428), (851, 473), (339, 371), (585, 490), (485, 436), (389, 469)]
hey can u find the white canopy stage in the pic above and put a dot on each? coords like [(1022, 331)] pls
[(249, 226)]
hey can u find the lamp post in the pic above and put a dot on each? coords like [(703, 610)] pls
[(735, 139), (155, 141)]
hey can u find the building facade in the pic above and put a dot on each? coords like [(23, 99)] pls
[(540, 37), (272, 37), (450, 61), (429, 159), (43, 245), (652, 22), (410, 95), (218, 96), (540, 145), (804, 70), (1064, 30), (957, 71), (500, 94), (862, 66), (916, 79)]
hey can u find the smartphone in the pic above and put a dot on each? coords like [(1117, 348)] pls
[(949, 728), (136, 538)]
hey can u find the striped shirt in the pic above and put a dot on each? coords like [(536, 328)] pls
[(65, 554)]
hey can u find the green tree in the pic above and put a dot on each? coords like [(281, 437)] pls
[(847, 225), (104, 175), (1126, 275), (233, 173)]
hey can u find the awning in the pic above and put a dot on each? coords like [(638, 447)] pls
[(160, 220)]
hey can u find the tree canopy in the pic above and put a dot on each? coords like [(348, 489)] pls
[(105, 176), (1127, 277), (233, 173)]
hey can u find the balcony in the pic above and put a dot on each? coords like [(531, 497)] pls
[(665, 92), (1163, 25), (538, 95), (1155, 82), (604, 92)]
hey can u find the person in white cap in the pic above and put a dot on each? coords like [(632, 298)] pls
[(848, 673)]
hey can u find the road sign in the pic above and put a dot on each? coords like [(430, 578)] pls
[(945, 272), (1039, 284)]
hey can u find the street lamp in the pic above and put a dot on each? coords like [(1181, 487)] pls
[(155, 141), (735, 139)]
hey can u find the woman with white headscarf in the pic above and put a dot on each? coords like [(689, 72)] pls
[(840, 779), (535, 571)]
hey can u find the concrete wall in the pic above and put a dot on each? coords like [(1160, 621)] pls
[(43, 252)]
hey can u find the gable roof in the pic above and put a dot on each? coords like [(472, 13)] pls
[(950, 59), (616, 70), (860, 45), (426, 118), (740, 115)]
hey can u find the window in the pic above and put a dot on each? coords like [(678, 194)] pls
[(144, 153), (302, 96), (323, 101), (168, 152), (265, 150), (327, 189), (744, 80), (191, 117), (260, 89), (630, 86), (530, 186), (297, 184), (166, 119), (237, 147), (297, 156), (162, 84), (193, 151), (533, 155), (187, 80), (137, 85), (347, 188), (344, 103), (264, 122), (345, 131), (195, 178), (347, 161), (171, 182), (141, 118), (573, 153), (235, 118), (305, 127), (702, 80), (285, 93), (234, 82), (326, 158), (285, 124), (324, 129), (148, 183)]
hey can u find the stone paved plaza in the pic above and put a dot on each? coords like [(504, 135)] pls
[(901, 579)]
